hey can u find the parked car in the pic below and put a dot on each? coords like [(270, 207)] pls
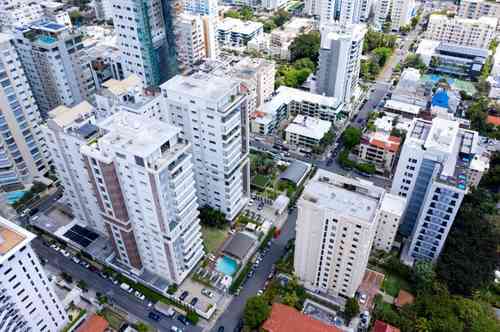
[(64, 253), (194, 301), (55, 247), (84, 264), (183, 295), (183, 319), (362, 298), (175, 329), (76, 260), (207, 293), (154, 316), (220, 329), (125, 286)]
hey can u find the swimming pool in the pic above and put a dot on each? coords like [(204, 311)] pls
[(14, 196), (227, 265)]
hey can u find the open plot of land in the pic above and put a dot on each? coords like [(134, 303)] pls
[(114, 320), (213, 237), (370, 286), (261, 180)]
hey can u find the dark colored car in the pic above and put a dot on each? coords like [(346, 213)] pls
[(154, 316), (239, 326), (183, 319), (220, 329), (194, 301), (184, 295)]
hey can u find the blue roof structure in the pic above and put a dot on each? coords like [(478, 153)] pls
[(440, 99)]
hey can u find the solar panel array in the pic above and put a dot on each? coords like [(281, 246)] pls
[(81, 235)]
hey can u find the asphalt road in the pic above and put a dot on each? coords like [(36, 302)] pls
[(229, 319), (114, 293)]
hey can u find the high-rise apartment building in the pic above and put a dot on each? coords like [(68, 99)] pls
[(15, 13), (56, 65), (145, 30), (66, 130), (462, 31), (342, 11), (23, 153), (366, 9), (202, 7), (212, 114), (189, 40), (433, 174), (476, 9), (340, 60), (27, 300), (141, 172), (336, 226), (208, 10), (393, 14), (391, 209)]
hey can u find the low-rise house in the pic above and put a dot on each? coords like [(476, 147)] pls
[(306, 131), (380, 149)]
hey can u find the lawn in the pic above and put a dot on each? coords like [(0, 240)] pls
[(213, 237), (114, 319), (260, 180), (391, 285)]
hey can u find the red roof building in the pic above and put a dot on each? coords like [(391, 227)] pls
[(94, 323), (381, 326), (287, 319), (494, 120)]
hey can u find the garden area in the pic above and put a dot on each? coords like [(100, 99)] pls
[(352, 137), (265, 172), (213, 238), (114, 319), (378, 47)]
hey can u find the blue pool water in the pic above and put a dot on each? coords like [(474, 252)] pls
[(227, 265), (14, 196)]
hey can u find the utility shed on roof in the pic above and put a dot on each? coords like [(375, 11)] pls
[(296, 172), (239, 245)]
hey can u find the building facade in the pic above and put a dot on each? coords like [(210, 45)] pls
[(339, 60), (306, 132), (142, 175), (211, 112), (189, 40), (28, 300), (56, 65), (146, 38), (379, 149), (475, 9), (336, 226), (462, 31), (391, 15), (66, 131), (432, 174), (235, 33), (392, 209), (15, 13), (23, 152)]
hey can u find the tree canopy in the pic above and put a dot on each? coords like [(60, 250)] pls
[(211, 217), (351, 137), (306, 45), (256, 311), (351, 309)]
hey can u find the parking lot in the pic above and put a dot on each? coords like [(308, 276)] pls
[(195, 294), (370, 286), (322, 313)]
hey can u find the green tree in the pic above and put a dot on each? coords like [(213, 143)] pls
[(82, 285), (424, 275), (281, 17), (256, 312), (351, 137), (306, 46), (368, 168), (469, 256), (141, 327), (415, 61), (211, 217), (232, 13), (381, 55), (291, 299), (246, 13), (192, 317), (351, 309), (304, 63)]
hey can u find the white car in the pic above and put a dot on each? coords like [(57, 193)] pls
[(362, 299), (175, 329), (55, 247), (207, 293), (65, 253), (75, 260)]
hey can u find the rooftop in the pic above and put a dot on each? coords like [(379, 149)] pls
[(239, 245), (94, 323), (12, 238), (239, 26), (295, 172), (309, 127), (119, 87), (288, 319), (64, 116), (201, 85), (135, 133), (381, 326), (350, 198), (402, 107), (393, 203)]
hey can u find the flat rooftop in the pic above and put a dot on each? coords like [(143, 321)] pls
[(64, 116), (119, 87), (333, 196), (239, 26), (394, 204), (136, 134), (12, 238), (201, 85), (309, 127)]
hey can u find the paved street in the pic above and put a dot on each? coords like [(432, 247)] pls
[(114, 293), (229, 319)]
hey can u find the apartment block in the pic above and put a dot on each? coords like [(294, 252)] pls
[(306, 132), (342, 12), (66, 131), (142, 174), (392, 209), (433, 175), (339, 60), (235, 33), (128, 95), (212, 114), (23, 152), (56, 65), (476, 9), (189, 39), (201, 7), (56, 12), (15, 13), (462, 31), (145, 31), (394, 13), (28, 300), (336, 226), (380, 149)]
